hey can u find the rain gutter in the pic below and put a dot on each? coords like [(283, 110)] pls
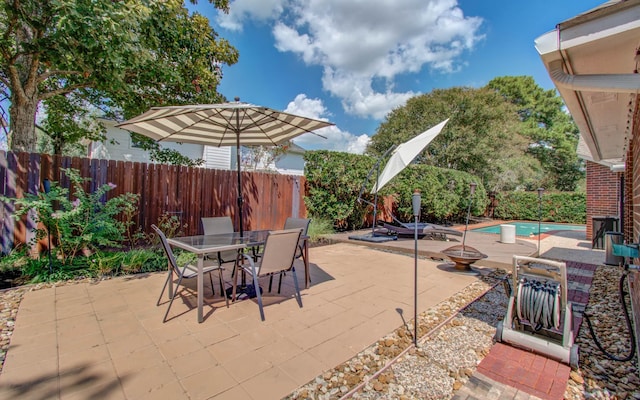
[(620, 83)]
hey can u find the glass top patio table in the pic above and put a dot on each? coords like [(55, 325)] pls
[(202, 245), (205, 244)]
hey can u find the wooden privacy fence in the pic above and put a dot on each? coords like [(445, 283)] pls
[(188, 193)]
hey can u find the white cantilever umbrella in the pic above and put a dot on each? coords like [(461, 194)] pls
[(228, 124), (404, 154)]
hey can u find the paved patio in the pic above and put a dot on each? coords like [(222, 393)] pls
[(107, 340)]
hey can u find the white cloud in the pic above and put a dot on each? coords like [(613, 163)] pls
[(240, 10), (359, 42), (332, 137)]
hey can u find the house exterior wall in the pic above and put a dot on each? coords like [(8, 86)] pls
[(291, 164), (119, 146), (217, 157), (632, 210), (602, 194)]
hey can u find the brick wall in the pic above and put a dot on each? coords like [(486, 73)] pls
[(632, 210), (602, 194)]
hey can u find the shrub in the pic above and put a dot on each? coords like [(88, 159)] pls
[(335, 181), (565, 207), (86, 223)]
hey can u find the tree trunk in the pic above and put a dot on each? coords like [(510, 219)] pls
[(22, 115)]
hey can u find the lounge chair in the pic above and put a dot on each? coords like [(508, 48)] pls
[(425, 230)]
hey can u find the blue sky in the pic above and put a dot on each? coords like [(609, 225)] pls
[(353, 61)]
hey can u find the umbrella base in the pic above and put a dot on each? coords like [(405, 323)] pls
[(373, 238)]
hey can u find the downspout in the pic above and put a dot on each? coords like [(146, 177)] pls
[(618, 83)]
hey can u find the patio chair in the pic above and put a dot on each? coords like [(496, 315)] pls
[(294, 223), (188, 271), (298, 223), (214, 225), (278, 256)]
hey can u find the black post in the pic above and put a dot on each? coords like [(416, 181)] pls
[(472, 190), (540, 192), (415, 200)]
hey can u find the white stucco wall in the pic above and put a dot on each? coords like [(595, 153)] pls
[(119, 146)]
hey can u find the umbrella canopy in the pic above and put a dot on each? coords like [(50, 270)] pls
[(226, 124), (404, 154)]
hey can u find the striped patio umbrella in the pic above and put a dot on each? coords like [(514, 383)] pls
[(226, 124)]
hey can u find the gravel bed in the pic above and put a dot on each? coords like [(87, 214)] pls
[(598, 377), (453, 343), (454, 336)]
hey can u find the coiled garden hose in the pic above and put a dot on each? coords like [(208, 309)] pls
[(539, 303), (632, 352)]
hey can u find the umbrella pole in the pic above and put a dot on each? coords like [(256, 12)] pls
[(240, 201)]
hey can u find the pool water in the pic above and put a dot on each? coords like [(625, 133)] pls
[(531, 228)]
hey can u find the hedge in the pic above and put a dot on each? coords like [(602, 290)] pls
[(565, 207)]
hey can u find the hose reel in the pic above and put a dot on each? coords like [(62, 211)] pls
[(539, 317), (539, 303)]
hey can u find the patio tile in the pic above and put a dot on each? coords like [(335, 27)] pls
[(247, 366), (170, 391), (321, 312), (230, 349), (72, 343), (141, 382), (308, 338), (127, 345), (84, 376), (88, 356), (259, 336), (44, 388), (192, 363), (111, 390), (279, 351), (214, 334), (120, 325), (178, 347), (235, 393), (345, 320), (73, 310), (302, 368), (208, 383), (361, 336), (29, 374), (168, 331), (331, 353), (271, 384), (78, 326), (34, 337), (21, 355), (140, 359)]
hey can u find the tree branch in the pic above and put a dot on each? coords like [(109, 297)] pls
[(48, 73), (64, 90)]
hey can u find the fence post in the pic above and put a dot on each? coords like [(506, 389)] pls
[(8, 189), (295, 197)]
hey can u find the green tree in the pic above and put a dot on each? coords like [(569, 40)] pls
[(552, 134), (70, 120), (120, 57), (482, 137)]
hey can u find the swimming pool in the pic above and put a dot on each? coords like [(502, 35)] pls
[(524, 228)]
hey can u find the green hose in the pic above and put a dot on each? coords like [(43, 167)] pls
[(538, 303)]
